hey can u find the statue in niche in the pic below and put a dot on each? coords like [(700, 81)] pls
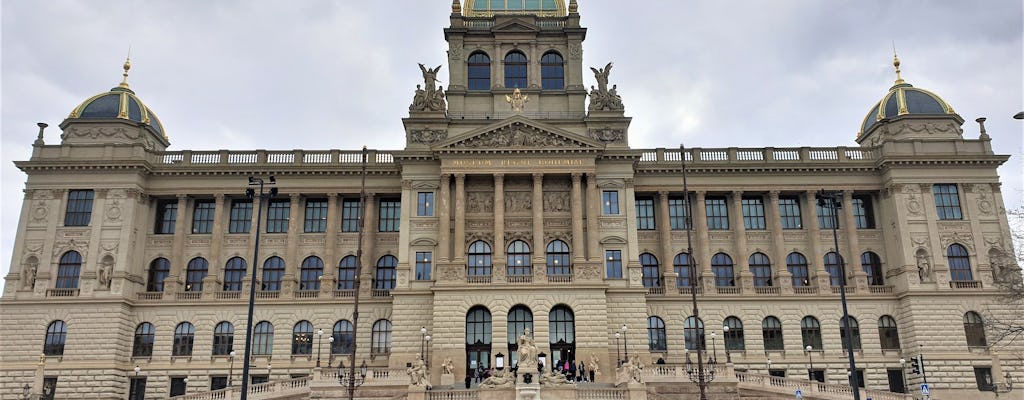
[(103, 275), (29, 281), (448, 366), (924, 268), (594, 367)]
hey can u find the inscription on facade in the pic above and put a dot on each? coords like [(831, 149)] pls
[(526, 163)]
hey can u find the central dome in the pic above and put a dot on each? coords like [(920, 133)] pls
[(118, 103), (486, 8), (903, 99)]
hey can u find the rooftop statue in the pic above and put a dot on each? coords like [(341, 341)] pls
[(428, 98), (602, 98)]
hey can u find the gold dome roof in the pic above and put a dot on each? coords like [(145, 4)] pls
[(488, 8)]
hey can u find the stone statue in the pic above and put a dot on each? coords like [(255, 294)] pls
[(601, 75), (104, 275), (418, 374), (429, 97), (527, 352), (499, 379), (447, 366), (602, 98), (635, 369), (551, 377), (924, 268), (29, 281), (593, 365), (429, 75)]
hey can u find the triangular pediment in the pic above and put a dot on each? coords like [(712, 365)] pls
[(519, 132), (515, 25)]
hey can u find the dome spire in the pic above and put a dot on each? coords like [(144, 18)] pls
[(127, 66), (896, 63)]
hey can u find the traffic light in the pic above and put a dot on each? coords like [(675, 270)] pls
[(915, 364)]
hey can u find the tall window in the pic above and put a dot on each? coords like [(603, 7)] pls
[(721, 266), (796, 263), (223, 338), (959, 263), (479, 71), (562, 333), (854, 332), (789, 212), (302, 338), (478, 338), (947, 201), (425, 204), (311, 271), (678, 213), (145, 335), (974, 328), (771, 332), (234, 272), (202, 216), (350, 213), (810, 332), (68, 270), (166, 216), (693, 333), (610, 202), (184, 336), (263, 339), (552, 72), (79, 209), (158, 271), (518, 259), (196, 271), (347, 273), (273, 271), (344, 339), (645, 214), (381, 337), (423, 266), (650, 270), (872, 265), (734, 337), (826, 216), (515, 70), (316, 216), (385, 278), (613, 264), (753, 213), (656, 338), (390, 215), (56, 335), (718, 213), (835, 273), (761, 267), (478, 260), (278, 212), (863, 215), (137, 388), (681, 265), (519, 318), (241, 216), (558, 258), (888, 335)]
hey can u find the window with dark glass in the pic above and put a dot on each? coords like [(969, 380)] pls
[(678, 213), (721, 266), (278, 212), (166, 215), (853, 331), (423, 265), (558, 258), (425, 204), (656, 337), (241, 216), (347, 273), (178, 386), (478, 337), (49, 388), (302, 338), (380, 341), (478, 259), (158, 271), (761, 267), (959, 263), (681, 265), (771, 332), (863, 215), (552, 71), (263, 339), (610, 202), (753, 213), (137, 388), (515, 70), (344, 339), (826, 217), (519, 318), (718, 213), (613, 264), (145, 335), (310, 272), (983, 378), (184, 336), (223, 338), (218, 382), (478, 69), (888, 335), (56, 335), (693, 333), (196, 271), (650, 270), (734, 336), (234, 272), (947, 201), (350, 213), (796, 264), (645, 214), (316, 216), (974, 328), (835, 272), (517, 259), (562, 334), (202, 216), (872, 265), (79, 209), (68, 270), (390, 215), (385, 277), (810, 332), (789, 212), (273, 271)]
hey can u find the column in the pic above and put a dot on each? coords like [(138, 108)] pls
[(178, 246), (816, 258), (852, 258), (499, 219), (369, 235), (538, 218), (700, 225), (578, 243), (778, 255), (330, 242), (295, 227), (741, 259), (665, 236), (593, 213), (458, 242), (220, 213), (444, 222)]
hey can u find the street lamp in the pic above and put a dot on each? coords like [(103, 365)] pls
[(346, 378), (903, 373), (330, 357), (625, 341), (423, 340), (618, 356), (357, 283), (810, 361), (259, 197), (426, 359), (725, 337), (831, 199), (231, 369), (714, 348), (699, 375), (997, 388), (319, 343)]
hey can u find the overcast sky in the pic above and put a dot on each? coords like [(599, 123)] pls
[(260, 74)]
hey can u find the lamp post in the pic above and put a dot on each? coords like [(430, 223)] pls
[(231, 368), (426, 359), (345, 378), (831, 199), (810, 361), (903, 373), (625, 341), (258, 197), (423, 341), (330, 355), (134, 386), (1000, 388), (319, 343), (357, 283), (714, 348), (618, 356), (725, 337), (700, 377)]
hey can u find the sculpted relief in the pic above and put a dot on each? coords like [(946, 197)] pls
[(518, 201), (517, 135), (556, 202)]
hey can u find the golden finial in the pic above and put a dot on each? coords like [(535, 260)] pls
[(896, 63), (127, 66)]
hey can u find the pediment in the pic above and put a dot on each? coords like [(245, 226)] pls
[(515, 25), (520, 133)]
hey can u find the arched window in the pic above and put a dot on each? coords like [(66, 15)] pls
[(974, 328), (771, 332), (56, 335), (515, 70), (158, 271), (558, 258), (479, 71), (312, 270), (854, 332), (693, 333), (223, 338), (835, 273), (810, 332), (478, 260), (734, 336), (385, 278), (519, 318), (381, 339), (656, 338), (69, 269), (872, 266), (650, 270), (552, 71), (197, 270), (796, 263), (273, 270), (302, 338), (518, 259), (347, 273), (234, 272), (478, 338), (959, 263), (761, 267), (562, 334), (888, 334), (263, 339), (184, 336), (721, 266), (343, 337), (145, 335), (681, 266)]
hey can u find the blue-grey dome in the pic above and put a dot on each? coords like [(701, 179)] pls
[(904, 99), (118, 103)]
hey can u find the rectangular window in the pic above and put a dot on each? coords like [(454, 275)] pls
[(610, 202), (202, 216), (423, 265), (218, 382), (79, 209), (241, 216), (258, 379), (678, 214), (316, 216), (862, 212), (166, 214), (178, 386), (983, 377), (137, 388), (947, 201), (613, 264), (425, 204), (49, 388), (645, 214), (826, 219), (789, 212), (753, 213), (718, 213), (350, 212), (277, 215), (390, 215)]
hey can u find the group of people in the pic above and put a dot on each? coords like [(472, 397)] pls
[(574, 372)]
